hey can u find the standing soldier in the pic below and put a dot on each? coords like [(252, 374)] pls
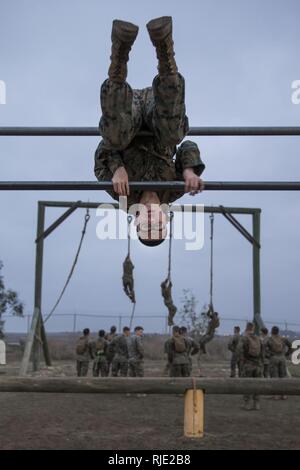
[(177, 351), (232, 346), (250, 355), (136, 353), (120, 360), (278, 347), (100, 361), (264, 338), (84, 353), (123, 155), (111, 347), (193, 347)]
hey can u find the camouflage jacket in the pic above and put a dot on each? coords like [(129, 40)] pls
[(270, 350), (193, 347), (121, 343), (100, 348), (136, 348), (175, 357), (145, 159), (242, 351), (88, 353), (233, 343)]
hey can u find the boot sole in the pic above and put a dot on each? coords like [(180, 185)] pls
[(124, 31), (159, 28)]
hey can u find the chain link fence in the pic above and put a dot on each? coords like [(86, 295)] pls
[(76, 322)]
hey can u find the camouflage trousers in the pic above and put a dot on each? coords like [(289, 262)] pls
[(278, 367), (251, 370), (179, 370), (234, 363), (160, 107), (136, 368), (119, 367), (109, 364), (82, 368), (100, 365)]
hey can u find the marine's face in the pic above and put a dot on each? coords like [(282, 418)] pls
[(151, 223)]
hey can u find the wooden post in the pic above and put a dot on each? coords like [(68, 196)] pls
[(193, 413), (37, 334), (257, 319)]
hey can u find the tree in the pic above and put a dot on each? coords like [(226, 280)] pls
[(9, 302), (195, 323)]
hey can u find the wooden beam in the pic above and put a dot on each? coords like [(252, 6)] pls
[(150, 385), (193, 413)]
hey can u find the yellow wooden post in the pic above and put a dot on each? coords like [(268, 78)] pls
[(193, 413)]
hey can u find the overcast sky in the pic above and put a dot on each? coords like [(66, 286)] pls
[(239, 60)]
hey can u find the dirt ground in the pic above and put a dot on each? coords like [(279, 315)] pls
[(119, 422)]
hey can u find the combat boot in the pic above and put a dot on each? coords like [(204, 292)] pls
[(123, 35), (160, 32)]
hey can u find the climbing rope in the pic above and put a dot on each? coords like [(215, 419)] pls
[(86, 220), (129, 220), (128, 267), (132, 315), (211, 261), (170, 246), (166, 285)]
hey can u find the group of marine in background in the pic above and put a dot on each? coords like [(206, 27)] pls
[(123, 354), (259, 356), (252, 356), (111, 353)]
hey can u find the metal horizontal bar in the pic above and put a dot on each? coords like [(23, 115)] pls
[(149, 185), (174, 207), (195, 131), (150, 385)]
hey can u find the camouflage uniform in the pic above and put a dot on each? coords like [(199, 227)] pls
[(213, 324), (83, 359), (100, 361), (278, 359), (266, 355), (193, 348), (250, 366), (232, 346), (120, 360), (110, 350), (127, 278), (136, 356), (166, 292), (179, 362), (166, 352), (159, 109)]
